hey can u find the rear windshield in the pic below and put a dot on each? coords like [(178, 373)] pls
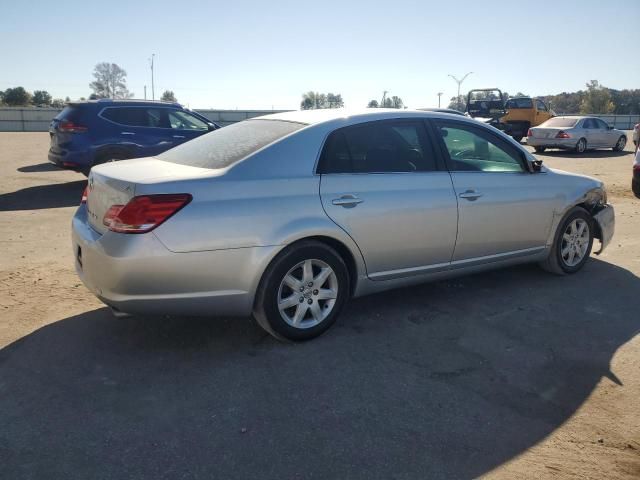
[(519, 103), (560, 122), (226, 146), (69, 113)]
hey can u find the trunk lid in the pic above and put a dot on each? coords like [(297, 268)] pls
[(546, 132), (116, 183)]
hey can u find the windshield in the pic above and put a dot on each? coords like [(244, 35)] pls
[(560, 122), (228, 145)]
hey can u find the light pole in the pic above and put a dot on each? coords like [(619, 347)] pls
[(439, 95), (153, 92), (459, 82)]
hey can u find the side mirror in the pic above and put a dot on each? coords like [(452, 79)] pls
[(610, 127), (536, 166)]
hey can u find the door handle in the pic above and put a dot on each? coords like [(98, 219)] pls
[(347, 201), (470, 195), (127, 133), (178, 136)]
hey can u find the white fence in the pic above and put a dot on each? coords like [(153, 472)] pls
[(38, 119)]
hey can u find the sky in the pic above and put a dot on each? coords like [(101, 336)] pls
[(244, 54)]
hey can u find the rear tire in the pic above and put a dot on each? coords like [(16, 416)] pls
[(539, 149), (572, 243), (620, 144), (302, 291), (581, 146)]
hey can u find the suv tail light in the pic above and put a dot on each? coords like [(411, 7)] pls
[(144, 213), (67, 126), (636, 167), (529, 133), (85, 195), (562, 134)]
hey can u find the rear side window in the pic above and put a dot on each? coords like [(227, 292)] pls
[(378, 147), (138, 116), (228, 145), (588, 123)]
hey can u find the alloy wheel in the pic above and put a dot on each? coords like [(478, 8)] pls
[(307, 294), (575, 242)]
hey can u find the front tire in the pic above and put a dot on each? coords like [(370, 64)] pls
[(572, 243), (302, 292), (620, 144)]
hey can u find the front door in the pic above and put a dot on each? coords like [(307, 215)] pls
[(381, 183), (503, 209)]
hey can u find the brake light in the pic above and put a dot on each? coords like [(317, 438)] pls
[(636, 167), (144, 213), (563, 135), (529, 133), (68, 126), (85, 195)]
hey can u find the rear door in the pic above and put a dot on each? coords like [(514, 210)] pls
[(185, 126), (503, 209), (145, 130), (380, 182), (591, 132)]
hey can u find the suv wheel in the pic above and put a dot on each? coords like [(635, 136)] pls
[(302, 292)]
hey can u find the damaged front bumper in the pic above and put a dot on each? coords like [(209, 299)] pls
[(605, 220)]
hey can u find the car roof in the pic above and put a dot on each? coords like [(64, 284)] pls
[(318, 116), (106, 102)]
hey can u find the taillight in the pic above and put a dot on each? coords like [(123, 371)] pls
[(67, 126), (85, 195), (144, 213), (563, 135), (529, 133), (636, 167)]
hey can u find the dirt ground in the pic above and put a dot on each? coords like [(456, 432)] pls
[(507, 374)]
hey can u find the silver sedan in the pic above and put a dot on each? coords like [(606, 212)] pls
[(575, 133), (288, 216)]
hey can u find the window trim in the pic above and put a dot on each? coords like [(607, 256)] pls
[(434, 123), (168, 109), (418, 121)]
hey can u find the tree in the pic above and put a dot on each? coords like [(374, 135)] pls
[(458, 103), (57, 103), (313, 100), (597, 99), (169, 96), (372, 104), (16, 97), (396, 102), (110, 81), (41, 97)]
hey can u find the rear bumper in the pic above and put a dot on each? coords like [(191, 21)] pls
[(138, 274), (563, 143), (70, 160), (606, 222)]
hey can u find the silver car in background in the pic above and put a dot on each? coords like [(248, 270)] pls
[(288, 216), (575, 133)]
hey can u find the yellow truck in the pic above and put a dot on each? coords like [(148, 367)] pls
[(524, 113)]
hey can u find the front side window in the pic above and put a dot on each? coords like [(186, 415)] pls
[(519, 103), (386, 146), (472, 149), (541, 106), (185, 121), (602, 125)]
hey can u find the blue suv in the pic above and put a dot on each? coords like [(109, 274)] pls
[(97, 131)]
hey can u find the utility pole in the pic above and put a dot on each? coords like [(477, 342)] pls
[(153, 91), (459, 82), (439, 95)]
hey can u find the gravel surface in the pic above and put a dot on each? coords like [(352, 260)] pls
[(509, 374)]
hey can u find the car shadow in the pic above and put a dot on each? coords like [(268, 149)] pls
[(443, 380), (41, 167), (54, 195)]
